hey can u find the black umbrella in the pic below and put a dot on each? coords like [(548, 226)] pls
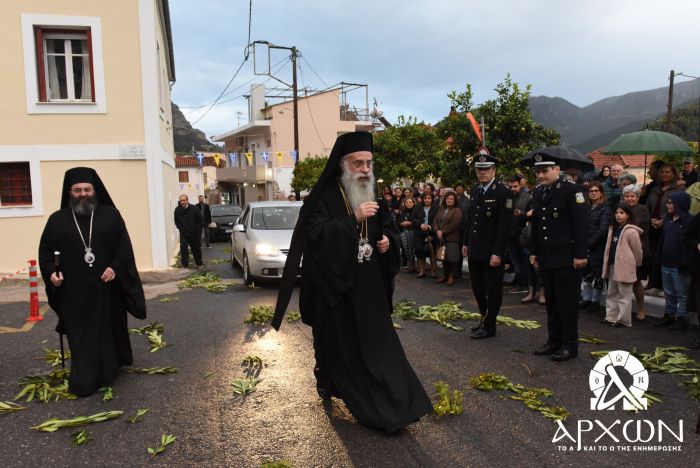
[(567, 157)]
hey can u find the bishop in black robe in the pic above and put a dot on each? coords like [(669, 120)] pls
[(348, 303), (91, 311)]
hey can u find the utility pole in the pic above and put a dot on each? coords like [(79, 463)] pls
[(670, 101)]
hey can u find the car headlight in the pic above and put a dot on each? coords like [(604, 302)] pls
[(267, 250), (213, 224)]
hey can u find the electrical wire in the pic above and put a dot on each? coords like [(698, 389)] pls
[(312, 69), (301, 74)]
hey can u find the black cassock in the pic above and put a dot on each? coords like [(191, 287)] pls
[(92, 313), (348, 304)]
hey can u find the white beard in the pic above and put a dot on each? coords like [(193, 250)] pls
[(357, 191)]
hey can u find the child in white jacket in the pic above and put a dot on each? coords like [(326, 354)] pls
[(623, 254)]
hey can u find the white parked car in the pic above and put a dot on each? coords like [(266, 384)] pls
[(261, 238)]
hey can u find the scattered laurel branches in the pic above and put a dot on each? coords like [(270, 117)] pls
[(165, 440), (53, 356), (397, 326), (586, 338), (530, 396), (447, 311), (154, 326), (244, 386), (668, 360), (9, 407), (218, 261), (45, 388), (293, 316), (260, 314), (80, 438), (153, 370), (447, 403), (109, 393), (205, 280), (156, 340), (138, 417), (652, 398), (52, 425), (209, 374), (169, 299), (278, 464), (253, 361), (227, 249)]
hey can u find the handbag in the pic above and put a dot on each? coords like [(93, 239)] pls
[(441, 252)]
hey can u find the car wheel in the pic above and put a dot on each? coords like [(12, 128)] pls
[(247, 279)]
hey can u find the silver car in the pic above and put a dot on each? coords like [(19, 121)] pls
[(261, 238)]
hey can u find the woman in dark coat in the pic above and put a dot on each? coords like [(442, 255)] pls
[(601, 216), (423, 236), (405, 223), (446, 226)]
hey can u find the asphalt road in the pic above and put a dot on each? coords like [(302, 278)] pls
[(285, 420)]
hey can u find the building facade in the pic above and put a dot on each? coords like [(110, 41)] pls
[(260, 152), (87, 84)]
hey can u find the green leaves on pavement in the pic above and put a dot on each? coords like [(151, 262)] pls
[(253, 361), (530, 396), (45, 388), (169, 299), (9, 407), (448, 403), (80, 438), (260, 314), (278, 464), (53, 356), (293, 316), (52, 425), (586, 338), (165, 440), (156, 340), (108, 393), (138, 417), (154, 326), (205, 280), (447, 311), (244, 386), (153, 370)]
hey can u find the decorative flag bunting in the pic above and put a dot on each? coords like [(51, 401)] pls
[(232, 158), (265, 156), (217, 158), (249, 157), (200, 158), (294, 154), (279, 156), (475, 126)]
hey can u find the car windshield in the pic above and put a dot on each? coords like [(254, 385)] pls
[(275, 217), (225, 210)]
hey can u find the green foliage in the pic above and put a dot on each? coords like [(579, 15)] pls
[(153, 370), (586, 338), (206, 280), (685, 122), (138, 417), (53, 356), (278, 464), (409, 149), (53, 424), (253, 361), (52, 386), (448, 403), (165, 440), (530, 396), (80, 438), (169, 299), (260, 314), (156, 340), (154, 326), (307, 172), (9, 407), (244, 386), (293, 316), (108, 393)]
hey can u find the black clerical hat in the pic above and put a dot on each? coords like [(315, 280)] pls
[(84, 175), (352, 142)]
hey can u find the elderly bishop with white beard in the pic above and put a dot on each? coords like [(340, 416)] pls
[(350, 248)]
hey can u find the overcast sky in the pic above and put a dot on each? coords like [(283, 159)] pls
[(411, 53)]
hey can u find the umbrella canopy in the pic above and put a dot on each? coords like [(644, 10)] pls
[(567, 157), (649, 142)]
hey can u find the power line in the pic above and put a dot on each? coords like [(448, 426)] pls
[(301, 73), (312, 69)]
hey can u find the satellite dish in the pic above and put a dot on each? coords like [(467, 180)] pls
[(376, 111)]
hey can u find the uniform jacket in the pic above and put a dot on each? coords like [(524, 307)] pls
[(560, 223), (449, 225), (490, 222), (628, 255)]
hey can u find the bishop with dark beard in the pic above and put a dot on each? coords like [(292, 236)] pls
[(94, 284), (350, 248)]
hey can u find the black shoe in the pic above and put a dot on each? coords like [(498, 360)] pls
[(324, 393), (665, 322), (695, 344), (477, 326), (605, 321), (546, 350), (618, 325), (483, 333), (584, 304), (563, 355), (680, 324)]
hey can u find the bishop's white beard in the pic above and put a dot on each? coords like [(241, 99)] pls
[(358, 189)]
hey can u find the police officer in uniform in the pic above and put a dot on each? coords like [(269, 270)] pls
[(485, 241), (560, 248)]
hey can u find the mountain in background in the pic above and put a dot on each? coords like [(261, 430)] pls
[(186, 137), (596, 125)]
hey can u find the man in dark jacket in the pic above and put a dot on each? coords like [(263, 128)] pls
[(689, 173), (463, 202), (560, 248), (485, 241), (188, 220), (206, 218), (522, 202)]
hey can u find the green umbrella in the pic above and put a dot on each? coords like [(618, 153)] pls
[(648, 142)]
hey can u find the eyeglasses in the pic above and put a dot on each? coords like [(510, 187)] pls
[(358, 164)]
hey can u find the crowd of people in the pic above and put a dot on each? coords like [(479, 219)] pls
[(642, 239)]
